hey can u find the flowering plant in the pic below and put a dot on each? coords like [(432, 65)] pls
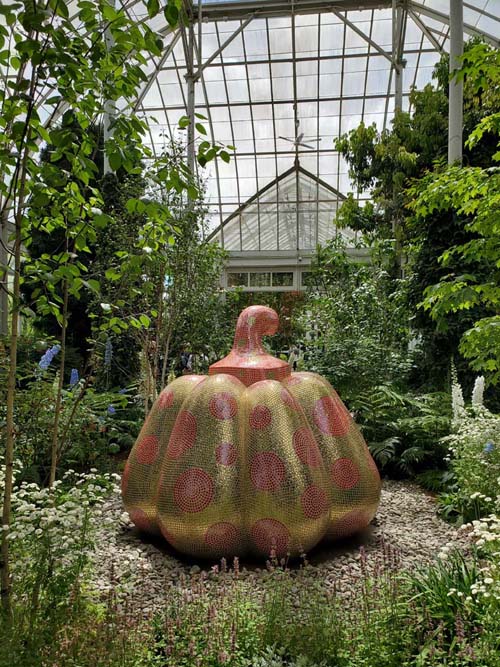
[(51, 537)]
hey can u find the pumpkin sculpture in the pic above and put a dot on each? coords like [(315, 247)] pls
[(251, 458)]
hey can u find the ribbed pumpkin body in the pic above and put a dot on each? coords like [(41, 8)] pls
[(222, 469)]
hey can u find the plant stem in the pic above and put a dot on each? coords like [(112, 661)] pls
[(5, 581), (57, 413)]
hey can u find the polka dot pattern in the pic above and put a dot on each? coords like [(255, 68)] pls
[(314, 502), (345, 473), (306, 448), (226, 454), (268, 534), (224, 537), (331, 416), (193, 490), (267, 471), (183, 435), (141, 520), (147, 450), (166, 399), (260, 417), (223, 406)]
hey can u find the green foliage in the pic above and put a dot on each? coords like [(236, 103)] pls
[(51, 537), (403, 431), (447, 225), (442, 614), (475, 463), (353, 322)]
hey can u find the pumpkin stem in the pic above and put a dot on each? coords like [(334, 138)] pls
[(253, 323)]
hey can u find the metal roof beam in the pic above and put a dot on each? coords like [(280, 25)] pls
[(231, 10), (420, 24), (363, 35), (221, 48), (444, 18), (157, 69)]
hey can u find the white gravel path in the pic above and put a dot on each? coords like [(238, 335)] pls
[(127, 562)]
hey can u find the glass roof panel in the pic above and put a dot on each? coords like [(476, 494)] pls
[(305, 73)]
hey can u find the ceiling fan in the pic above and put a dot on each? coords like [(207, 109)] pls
[(299, 140)]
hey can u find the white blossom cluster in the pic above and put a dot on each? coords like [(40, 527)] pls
[(474, 453), (53, 528), (487, 535)]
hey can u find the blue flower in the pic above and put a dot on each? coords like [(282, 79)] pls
[(74, 378), (111, 409), (489, 447), (48, 357)]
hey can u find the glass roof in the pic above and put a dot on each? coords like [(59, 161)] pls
[(294, 212), (281, 79)]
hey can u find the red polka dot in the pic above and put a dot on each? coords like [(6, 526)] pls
[(350, 523), (125, 477), (267, 471), (268, 534), (345, 473), (193, 490), (314, 502), (289, 400), (306, 448), (166, 399), (183, 435), (223, 405), (141, 520), (147, 450), (331, 416), (260, 417), (226, 454), (224, 537)]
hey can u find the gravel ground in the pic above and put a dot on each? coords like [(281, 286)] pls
[(127, 562)]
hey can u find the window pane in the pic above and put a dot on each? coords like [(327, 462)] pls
[(260, 280), (237, 279), (283, 279)]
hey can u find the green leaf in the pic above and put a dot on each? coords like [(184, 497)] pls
[(153, 7), (115, 161), (144, 320), (201, 128)]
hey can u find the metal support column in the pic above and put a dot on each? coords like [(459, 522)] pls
[(108, 106), (397, 29), (190, 79), (456, 89)]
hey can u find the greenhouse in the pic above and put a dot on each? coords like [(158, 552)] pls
[(250, 333)]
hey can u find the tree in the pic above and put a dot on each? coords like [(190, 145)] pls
[(67, 65), (472, 268), (387, 164)]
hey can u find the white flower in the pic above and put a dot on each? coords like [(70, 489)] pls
[(478, 392)]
